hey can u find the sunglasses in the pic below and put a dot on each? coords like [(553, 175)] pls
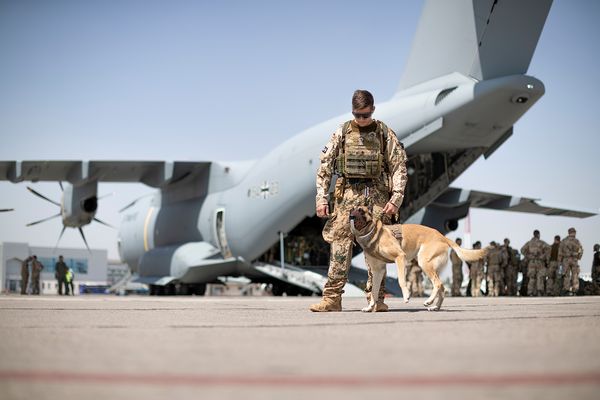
[(362, 115)]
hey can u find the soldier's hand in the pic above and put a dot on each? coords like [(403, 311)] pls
[(390, 208), (322, 210)]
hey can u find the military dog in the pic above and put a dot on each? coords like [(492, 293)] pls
[(427, 245)]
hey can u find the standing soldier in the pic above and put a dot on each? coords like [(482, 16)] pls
[(509, 275), (60, 275), (415, 279), (25, 275), (570, 251), (495, 259), (36, 270), (536, 253), (457, 275), (552, 288), (476, 274), (596, 265), (370, 164)]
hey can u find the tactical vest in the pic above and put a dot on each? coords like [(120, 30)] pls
[(361, 154)]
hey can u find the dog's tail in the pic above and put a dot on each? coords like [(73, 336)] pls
[(466, 255)]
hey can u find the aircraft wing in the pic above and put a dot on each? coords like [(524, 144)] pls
[(453, 196), (152, 173)]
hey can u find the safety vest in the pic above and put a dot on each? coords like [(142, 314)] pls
[(362, 153), (69, 276)]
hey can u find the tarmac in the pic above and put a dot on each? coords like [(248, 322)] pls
[(265, 348)]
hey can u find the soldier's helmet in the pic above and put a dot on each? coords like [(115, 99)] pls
[(597, 247), (572, 230)]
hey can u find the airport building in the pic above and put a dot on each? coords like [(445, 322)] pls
[(90, 268)]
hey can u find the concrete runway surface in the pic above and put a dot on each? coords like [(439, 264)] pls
[(263, 347)]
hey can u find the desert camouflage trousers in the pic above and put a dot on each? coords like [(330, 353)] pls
[(415, 282), (536, 272), (510, 279), (571, 277), (552, 287), (457, 278), (494, 280), (337, 233), (476, 276)]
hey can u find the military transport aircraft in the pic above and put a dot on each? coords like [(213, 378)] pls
[(463, 89)]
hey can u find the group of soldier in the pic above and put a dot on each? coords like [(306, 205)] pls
[(63, 275), (36, 270), (542, 266)]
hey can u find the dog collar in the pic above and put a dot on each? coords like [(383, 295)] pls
[(367, 236)]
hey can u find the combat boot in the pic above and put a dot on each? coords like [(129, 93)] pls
[(380, 306), (328, 304)]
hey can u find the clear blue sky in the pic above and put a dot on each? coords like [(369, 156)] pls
[(227, 80)]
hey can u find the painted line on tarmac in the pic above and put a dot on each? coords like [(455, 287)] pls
[(523, 379)]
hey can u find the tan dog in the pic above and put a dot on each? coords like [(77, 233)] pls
[(425, 244)]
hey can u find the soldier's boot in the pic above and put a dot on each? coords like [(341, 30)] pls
[(328, 304), (380, 306)]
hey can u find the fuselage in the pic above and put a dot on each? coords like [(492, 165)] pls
[(248, 204)]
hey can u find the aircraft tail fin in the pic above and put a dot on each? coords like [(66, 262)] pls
[(483, 39)]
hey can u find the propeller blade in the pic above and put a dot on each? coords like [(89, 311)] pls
[(43, 220), (6, 209), (61, 186), (104, 223), (42, 196), (83, 237), (106, 195), (133, 202), (59, 236)]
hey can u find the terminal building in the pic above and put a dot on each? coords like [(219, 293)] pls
[(90, 268)]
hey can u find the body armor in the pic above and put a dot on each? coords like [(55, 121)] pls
[(362, 153)]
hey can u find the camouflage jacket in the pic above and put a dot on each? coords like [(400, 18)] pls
[(394, 157), (495, 256), (536, 249), (570, 247)]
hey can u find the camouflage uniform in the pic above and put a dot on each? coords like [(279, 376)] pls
[(415, 279), (552, 288), (495, 260), (476, 275), (536, 253), (596, 265), (457, 275), (36, 269), (24, 275), (350, 193), (570, 251)]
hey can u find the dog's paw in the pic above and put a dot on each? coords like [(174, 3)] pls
[(406, 299), (428, 303), (369, 308), (434, 308)]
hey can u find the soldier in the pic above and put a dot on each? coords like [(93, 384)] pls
[(552, 288), (60, 275), (457, 275), (596, 265), (25, 275), (370, 164), (36, 270), (476, 274), (536, 253), (509, 276), (415, 279), (570, 251), (495, 260)]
